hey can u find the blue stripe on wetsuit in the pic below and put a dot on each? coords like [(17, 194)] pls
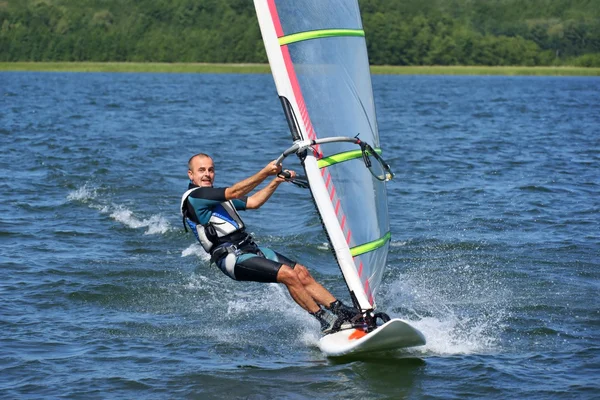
[(268, 253), (220, 212)]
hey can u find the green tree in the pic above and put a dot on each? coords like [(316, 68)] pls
[(398, 32)]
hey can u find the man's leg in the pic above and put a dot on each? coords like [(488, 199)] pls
[(289, 277), (323, 297), (302, 287), (250, 267), (318, 293), (299, 293)]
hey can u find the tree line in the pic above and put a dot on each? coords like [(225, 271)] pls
[(398, 32)]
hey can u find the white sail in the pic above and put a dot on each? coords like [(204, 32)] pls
[(318, 58)]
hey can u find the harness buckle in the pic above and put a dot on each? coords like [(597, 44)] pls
[(222, 251)]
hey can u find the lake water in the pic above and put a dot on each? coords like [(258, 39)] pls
[(495, 256)]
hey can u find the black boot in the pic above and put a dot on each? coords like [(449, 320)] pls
[(344, 312), (327, 321)]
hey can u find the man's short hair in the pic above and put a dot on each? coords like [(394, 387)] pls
[(197, 155)]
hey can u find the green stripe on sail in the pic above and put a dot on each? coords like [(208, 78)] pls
[(322, 33), (371, 246), (341, 157)]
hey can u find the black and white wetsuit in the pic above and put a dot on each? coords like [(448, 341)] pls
[(215, 222)]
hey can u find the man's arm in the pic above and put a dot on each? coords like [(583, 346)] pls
[(244, 187), (259, 198)]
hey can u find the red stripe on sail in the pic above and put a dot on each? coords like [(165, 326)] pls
[(368, 291), (275, 18), (366, 284)]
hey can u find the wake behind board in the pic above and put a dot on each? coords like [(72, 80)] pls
[(394, 334)]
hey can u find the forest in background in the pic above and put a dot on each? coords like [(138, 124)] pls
[(398, 32)]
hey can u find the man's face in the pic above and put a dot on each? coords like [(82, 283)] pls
[(202, 172)]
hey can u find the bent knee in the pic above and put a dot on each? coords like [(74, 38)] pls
[(288, 276), (303, 274)]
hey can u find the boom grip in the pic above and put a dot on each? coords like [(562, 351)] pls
[(284, 174)]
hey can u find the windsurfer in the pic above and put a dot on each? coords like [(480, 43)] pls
[(212, 215)]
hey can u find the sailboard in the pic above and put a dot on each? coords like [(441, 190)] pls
[(318, 58)]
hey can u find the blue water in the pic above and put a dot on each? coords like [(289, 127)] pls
[(495, 216)]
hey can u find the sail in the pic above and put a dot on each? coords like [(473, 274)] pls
[(318, 58)]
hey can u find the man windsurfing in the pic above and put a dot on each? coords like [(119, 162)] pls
[(212, 215)]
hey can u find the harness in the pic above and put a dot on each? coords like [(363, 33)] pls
[(245, 245)]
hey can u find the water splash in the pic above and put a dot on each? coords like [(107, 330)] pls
[(451, 334), (251, 314), (84, 194), (462, 310), (323, 246), (88, 194), (156, 224), (196, 250)]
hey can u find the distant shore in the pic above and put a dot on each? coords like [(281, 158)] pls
[(264, 68)]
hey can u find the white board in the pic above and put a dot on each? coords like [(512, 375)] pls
[(394, 334)]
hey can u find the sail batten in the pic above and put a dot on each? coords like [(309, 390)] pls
[(341, 157), (371, 246), (319, 34), (317, 52)]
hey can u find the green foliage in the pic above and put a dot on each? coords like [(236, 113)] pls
[(399, 32), (587, 60), (481, 32)]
